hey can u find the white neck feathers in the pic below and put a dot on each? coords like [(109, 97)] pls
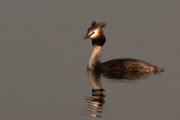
[(95, 58)]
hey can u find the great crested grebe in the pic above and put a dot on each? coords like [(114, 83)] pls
[(95, 33)]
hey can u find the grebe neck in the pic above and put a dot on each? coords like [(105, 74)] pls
[(95, 58)]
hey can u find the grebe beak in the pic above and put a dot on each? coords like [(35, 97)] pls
[(86, 37)]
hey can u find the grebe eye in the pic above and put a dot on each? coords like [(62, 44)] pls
[(91, 33)]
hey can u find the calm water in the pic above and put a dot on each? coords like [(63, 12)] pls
[(43, 60)]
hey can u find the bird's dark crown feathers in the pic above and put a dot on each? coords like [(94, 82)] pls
[(95, 25)]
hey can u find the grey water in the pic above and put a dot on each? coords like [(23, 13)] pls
[(43, 60)]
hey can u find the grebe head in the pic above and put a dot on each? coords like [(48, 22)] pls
[(95, 30)]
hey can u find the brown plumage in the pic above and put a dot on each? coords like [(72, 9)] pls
[(128, 65), (95, 33)]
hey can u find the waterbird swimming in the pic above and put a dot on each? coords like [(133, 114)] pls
[(95, 33)]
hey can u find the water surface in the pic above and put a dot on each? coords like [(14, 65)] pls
[(43, 60)]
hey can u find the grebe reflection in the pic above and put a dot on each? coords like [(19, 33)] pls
[(96, 102)]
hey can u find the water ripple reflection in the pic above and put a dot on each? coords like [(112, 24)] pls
[(95, 103)]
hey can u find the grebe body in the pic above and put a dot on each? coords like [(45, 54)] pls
[(95, 33)]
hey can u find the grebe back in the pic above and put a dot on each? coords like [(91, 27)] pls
[(95, 33)]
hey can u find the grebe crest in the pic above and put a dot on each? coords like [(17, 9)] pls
[(95, 33)]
